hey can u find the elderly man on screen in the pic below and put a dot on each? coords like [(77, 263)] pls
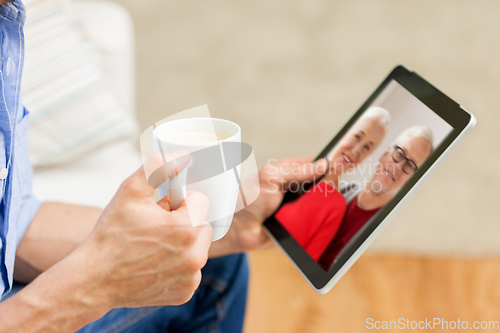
[(398, 163), (120, 269)]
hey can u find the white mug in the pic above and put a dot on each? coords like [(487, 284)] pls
[(214, 168)]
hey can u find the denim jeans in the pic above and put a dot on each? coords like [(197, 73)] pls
[(218, 306)]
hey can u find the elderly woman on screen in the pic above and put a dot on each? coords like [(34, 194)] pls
[(358, 143), (313, 219)]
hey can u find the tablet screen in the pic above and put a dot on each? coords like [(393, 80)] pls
[(375, 157)]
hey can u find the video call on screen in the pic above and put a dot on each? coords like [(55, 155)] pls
[(367, 167)]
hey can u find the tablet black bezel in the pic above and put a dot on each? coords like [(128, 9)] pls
[(442, 105)]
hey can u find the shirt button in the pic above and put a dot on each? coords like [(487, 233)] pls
[(3, 173)]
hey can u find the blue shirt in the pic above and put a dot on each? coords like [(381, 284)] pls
[(17, 205)]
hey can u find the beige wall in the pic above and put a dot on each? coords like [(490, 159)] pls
[(292, 72)]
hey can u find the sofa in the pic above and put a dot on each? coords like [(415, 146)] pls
[(93, 178)]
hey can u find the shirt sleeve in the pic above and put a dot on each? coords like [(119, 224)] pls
[(23, 199), (31, 207)]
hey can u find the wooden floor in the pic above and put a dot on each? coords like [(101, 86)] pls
[(378, 287)]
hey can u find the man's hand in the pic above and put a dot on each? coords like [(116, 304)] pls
[(144, 254), (247, 232), (139, 254)]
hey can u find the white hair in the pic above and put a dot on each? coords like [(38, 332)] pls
[(379, 114), (417, 131)]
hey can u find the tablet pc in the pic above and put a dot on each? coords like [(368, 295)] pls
[(376, 163)]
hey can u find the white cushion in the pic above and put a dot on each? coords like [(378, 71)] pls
[(73, 107), (110, 29), (93, 178)]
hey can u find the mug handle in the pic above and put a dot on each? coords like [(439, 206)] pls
[(177, 188)]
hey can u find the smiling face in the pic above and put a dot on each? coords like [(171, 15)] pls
[(389, 175), (359, 142)]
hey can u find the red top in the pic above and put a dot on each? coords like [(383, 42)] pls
[(313, 219), (354, 219)]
